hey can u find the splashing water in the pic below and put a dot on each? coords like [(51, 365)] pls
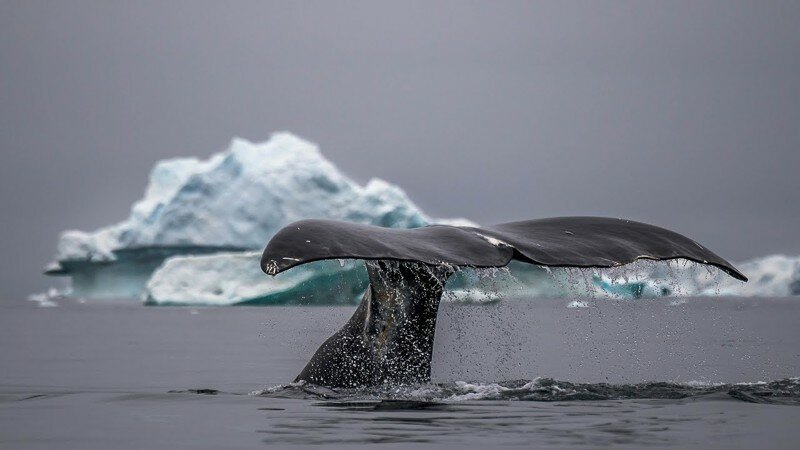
[(785, 391), (640, 280)]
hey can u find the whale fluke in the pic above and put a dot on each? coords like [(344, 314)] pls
[(389, 339), (556, 242)]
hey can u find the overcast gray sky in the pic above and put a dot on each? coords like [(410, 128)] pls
[(683, 114)]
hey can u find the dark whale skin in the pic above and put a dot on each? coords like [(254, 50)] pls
[(557, 242), (389, 338)]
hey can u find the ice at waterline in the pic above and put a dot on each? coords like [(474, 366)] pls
[(389, 339)]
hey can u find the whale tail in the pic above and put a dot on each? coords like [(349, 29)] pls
[(389, 338), (557, 242)]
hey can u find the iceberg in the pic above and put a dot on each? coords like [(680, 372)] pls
[(770, 276), (232, 201), (236, 279)]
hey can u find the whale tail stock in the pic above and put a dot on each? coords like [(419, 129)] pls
[(389, 338)]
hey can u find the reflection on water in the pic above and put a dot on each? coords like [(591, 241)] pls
[(543, 411), (496, 423), (640, 423)]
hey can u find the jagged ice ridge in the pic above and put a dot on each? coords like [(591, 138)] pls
[(233, 201)]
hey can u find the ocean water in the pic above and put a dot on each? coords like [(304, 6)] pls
[(692, 373)]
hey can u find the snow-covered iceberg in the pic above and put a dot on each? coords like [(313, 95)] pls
[(233, 201)]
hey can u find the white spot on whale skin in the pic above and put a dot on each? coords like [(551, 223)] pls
[(494, 241), (569, 232), (271, 268), (290, 259)]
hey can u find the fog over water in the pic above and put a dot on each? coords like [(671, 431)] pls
[(682, 114)]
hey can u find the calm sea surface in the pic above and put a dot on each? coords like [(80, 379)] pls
[(704, 373)]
